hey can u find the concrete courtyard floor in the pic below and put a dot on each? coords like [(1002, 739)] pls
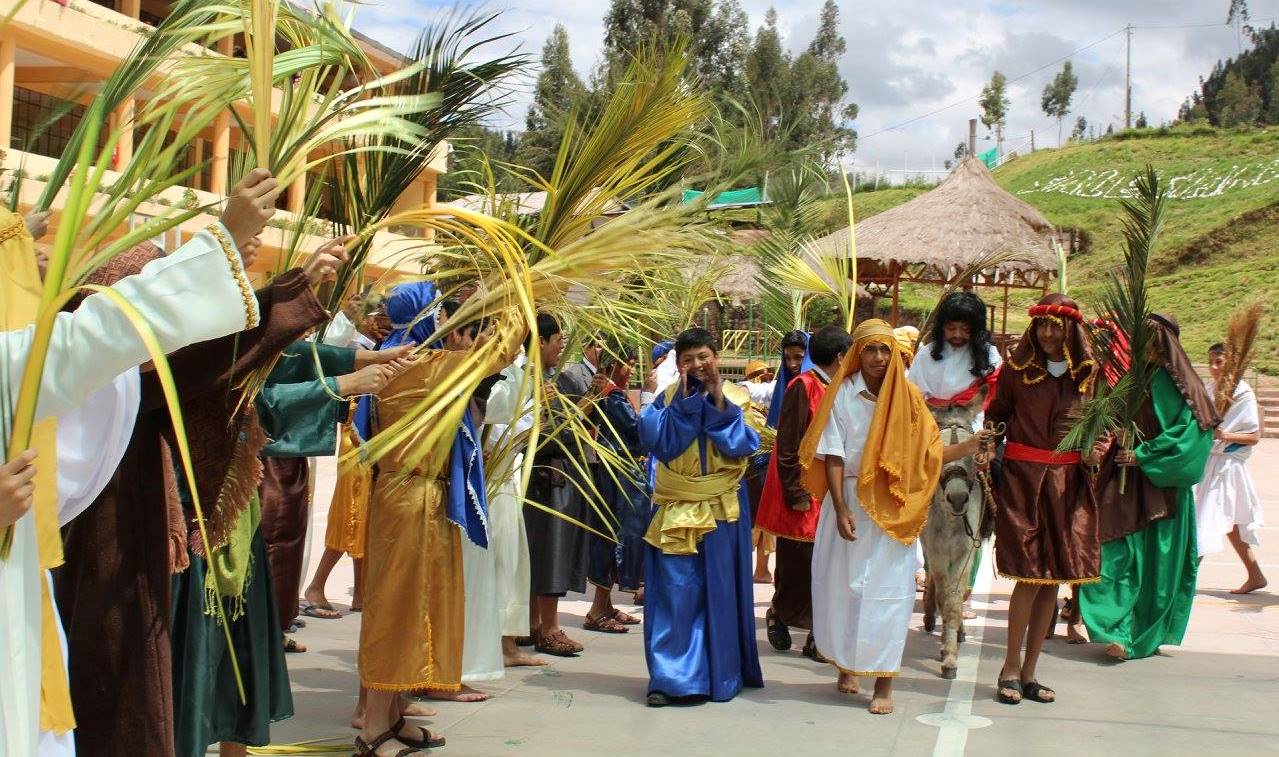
[(1207, 697)]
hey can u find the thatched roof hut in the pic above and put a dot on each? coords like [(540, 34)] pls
[(963, 219)]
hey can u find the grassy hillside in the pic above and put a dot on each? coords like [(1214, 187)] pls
[(1220, 244)]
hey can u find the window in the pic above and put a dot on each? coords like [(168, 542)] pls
[(42, 123)]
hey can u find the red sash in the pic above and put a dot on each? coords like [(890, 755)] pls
[(1029, 454), (965, 398)]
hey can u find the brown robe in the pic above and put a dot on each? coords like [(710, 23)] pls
[(113, 591), (1046, 526), (285, 493)]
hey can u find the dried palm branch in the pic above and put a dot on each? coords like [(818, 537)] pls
[(1063, 279), (1241, 339), (1126, 303)]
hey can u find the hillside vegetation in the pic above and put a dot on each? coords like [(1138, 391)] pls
[(1220, 245)]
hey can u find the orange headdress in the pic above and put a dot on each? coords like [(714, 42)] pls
[(901, 459)]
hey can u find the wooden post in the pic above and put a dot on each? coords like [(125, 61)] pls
[(297, 195), (897, 287), (199, 158), (131, 8), (1004, 328)]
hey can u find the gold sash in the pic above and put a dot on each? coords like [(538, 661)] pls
[(688, 501)]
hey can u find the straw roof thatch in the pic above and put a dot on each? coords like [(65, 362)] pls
[(963, 219)]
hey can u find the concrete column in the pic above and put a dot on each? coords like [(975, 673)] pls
[(124, 148), (199, 158), (8, 51), (297, 195), (131, 8), (430, 180), (221, 153)]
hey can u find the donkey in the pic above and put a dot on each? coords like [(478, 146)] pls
[(952, 534)]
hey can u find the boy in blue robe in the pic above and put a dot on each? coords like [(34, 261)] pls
[(699, 631)]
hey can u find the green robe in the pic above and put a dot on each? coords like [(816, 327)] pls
[(1148, 578), (298, 409)]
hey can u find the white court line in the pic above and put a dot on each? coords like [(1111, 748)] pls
[(957, 719)]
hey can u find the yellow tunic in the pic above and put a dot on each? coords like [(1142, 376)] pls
[(349, 511), (414, 602)]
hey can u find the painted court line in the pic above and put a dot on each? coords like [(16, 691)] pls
[(957, 718)]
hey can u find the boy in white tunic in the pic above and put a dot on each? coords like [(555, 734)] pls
[(881, 455), (1225, 502)]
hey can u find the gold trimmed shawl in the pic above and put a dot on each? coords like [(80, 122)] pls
[(901, 460)]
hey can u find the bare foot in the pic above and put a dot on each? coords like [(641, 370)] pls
[(411, 709), (881, 702), (763, 578), (522, 660), (1251, 585), (464, 694), (1117, 651), (357, 721), (1074, 635), (847, 684)]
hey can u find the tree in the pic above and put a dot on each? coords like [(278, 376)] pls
[(768, 74), (1238, 103), (1272, 94), (1057, 95), (818, 95), (1142, 123), (1238, 18), (472, 146), (1081, 127), (994, 107), (961, 151), (716, 32), (558, 88)]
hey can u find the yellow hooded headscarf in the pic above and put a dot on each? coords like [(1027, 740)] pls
[(901, 460)]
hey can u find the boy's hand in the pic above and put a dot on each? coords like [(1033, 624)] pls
[(250, 205), (17, 488)]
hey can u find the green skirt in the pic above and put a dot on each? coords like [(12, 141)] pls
[(205, 697), (1147, 585)]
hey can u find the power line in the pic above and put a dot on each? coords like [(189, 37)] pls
[(957, 103), (1117, 32)]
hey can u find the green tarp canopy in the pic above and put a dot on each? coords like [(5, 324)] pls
[(747, 196), (990, 157)]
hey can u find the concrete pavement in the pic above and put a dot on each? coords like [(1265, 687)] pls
[(1215, 695)]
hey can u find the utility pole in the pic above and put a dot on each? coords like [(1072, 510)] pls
[(1128, 83), (1032, 140)]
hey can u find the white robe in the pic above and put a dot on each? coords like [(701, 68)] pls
[(943, 379), (863, 590), (497, 579), (1225, 497), (191, 296)]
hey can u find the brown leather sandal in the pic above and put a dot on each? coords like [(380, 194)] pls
[(625, 619), (369, 749), (605, 624), (428, 740), (559, 645)]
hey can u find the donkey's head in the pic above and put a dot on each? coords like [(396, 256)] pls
[(958, 482)]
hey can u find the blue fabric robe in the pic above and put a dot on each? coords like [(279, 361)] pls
[(699, 610), (631, 503)]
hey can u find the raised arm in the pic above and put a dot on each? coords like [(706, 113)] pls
[(728, 431), (198, 293), (666, 431)]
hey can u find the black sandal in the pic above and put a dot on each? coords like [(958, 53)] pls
[(369, 749), (428, 740), (657, 699), (1034, 692), (778, 633), (1015, 685)]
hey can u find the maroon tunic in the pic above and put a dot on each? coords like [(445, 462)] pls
[(1046, 526)]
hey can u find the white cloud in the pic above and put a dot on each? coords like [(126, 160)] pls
[(908, 58)]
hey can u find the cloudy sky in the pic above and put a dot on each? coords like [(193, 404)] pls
[(916, 67)]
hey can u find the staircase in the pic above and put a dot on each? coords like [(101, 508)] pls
[(1268, 403)]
